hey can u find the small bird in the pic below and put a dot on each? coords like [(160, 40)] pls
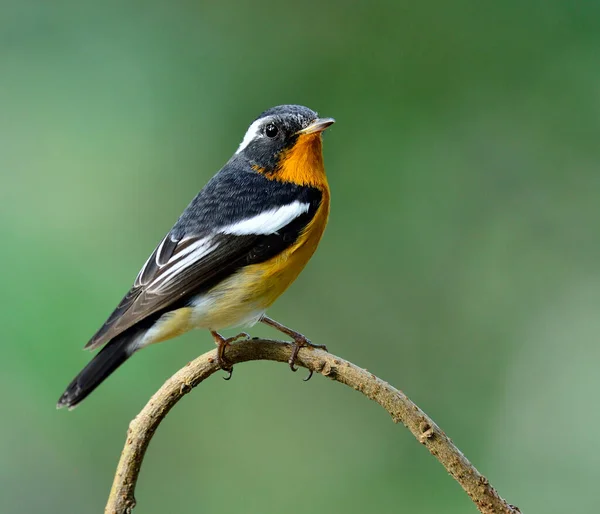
[(236, 248)]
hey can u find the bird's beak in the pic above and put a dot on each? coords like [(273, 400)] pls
[(319, 125)]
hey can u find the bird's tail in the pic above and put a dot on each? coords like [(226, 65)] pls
[(115, 353)]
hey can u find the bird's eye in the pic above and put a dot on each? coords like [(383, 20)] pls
[(271, 130)]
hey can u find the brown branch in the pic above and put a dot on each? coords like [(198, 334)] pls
[(401, 408)]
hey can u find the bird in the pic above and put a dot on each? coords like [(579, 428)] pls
[(238, 245)]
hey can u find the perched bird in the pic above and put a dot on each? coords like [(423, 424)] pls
[(237, 246)]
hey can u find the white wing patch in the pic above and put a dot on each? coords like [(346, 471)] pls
[(138, 279), (267, 222), (177, 262), (183, 259)]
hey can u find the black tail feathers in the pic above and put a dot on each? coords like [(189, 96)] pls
[(115, 353)]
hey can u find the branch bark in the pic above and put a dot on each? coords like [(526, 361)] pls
[(399, 406)]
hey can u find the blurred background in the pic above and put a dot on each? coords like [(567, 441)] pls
[(461, 262)]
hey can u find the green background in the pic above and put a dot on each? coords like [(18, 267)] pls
[(461, 262)]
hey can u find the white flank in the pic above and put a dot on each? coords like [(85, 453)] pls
[(267, 222), (207, 309)]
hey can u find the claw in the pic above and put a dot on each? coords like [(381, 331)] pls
[(222, 344), (299, 342), (241, 335)]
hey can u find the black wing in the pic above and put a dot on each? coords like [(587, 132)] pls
[(183, 266)]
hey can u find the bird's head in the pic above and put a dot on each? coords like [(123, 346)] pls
[(284, 143)]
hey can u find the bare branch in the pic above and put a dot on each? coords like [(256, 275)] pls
[(400, 407)]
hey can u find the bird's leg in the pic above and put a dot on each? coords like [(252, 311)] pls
[(223, 343), (299, 341)]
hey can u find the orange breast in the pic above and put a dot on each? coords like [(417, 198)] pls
[(278, 273), (244, 296), (302, 165)]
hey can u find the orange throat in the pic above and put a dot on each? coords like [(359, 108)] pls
[(303, 164)]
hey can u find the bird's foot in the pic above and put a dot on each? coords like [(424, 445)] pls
[(300, 341), (222, 343)]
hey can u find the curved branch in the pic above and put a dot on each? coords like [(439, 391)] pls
[(400, 407)]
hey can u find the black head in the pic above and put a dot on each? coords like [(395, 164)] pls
[(276, 130)]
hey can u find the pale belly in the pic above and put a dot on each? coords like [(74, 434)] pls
[(243, 298)]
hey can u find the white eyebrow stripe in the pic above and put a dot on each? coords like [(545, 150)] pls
[(267, 222), (252, 133)]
